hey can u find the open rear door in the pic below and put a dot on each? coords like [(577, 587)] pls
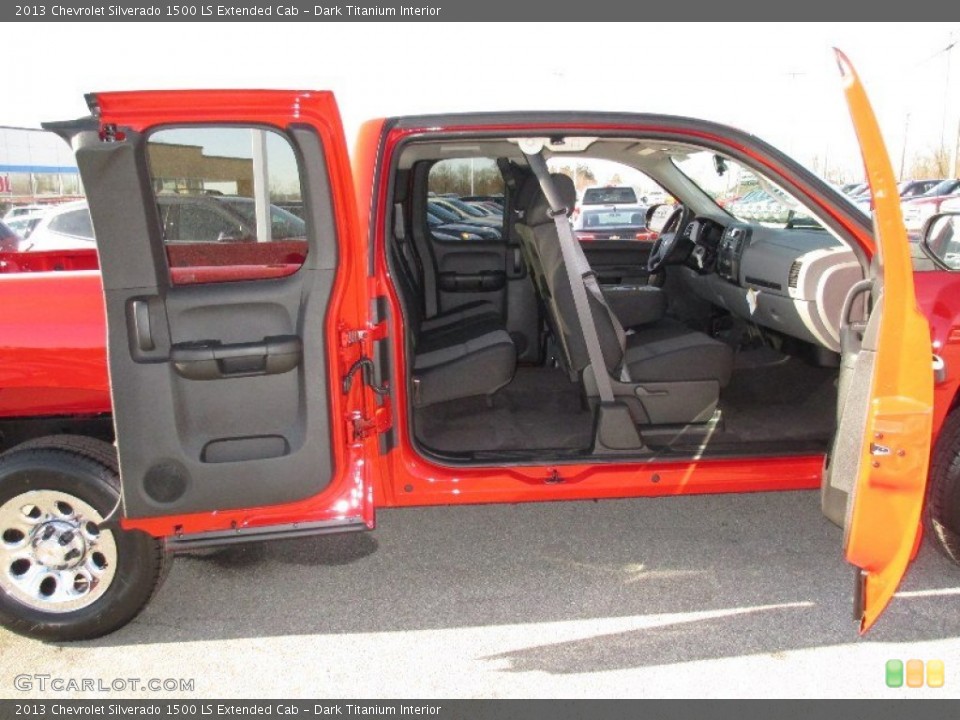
[(879, 459), (225, 221)]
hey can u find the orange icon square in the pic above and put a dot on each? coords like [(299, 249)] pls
[(935, 673), (914, 673)]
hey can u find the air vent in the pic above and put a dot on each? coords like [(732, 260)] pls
[(793, 279)]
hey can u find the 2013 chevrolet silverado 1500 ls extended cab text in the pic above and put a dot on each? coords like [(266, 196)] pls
[(293, 342)]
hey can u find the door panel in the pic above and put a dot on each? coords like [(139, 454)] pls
[(484, 264), (470, 271), (218, 356), (618, 262), (882, 446)]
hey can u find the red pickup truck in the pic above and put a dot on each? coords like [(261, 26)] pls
[(291, 378)]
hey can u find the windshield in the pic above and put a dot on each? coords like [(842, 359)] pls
[(748, 197), (944, 187)]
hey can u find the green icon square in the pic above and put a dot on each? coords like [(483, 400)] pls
[(894, 673)]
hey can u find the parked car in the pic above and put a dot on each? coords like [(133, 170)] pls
[(457, 221), (184, 218), (919, 209), (441, 229), (909, 190), (914, 188), (9, 239), (490, 209), (20, 210), (464, 212), (654, 197), (610, 195), (950, 204), (23, 225), (63, 227), (742, 207), (621, 222), (494, 199), (283, 405)]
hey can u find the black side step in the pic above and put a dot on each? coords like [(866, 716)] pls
[(186, 542)]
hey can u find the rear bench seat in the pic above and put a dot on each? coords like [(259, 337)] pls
[(463, 352)]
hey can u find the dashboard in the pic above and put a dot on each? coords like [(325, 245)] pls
[(791, 280)]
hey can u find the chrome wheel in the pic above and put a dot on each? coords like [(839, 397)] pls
[(53, 556)]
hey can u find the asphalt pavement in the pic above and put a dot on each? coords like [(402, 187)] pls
[(732, 595)]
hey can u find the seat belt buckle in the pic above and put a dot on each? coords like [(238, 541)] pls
[(558, 213)]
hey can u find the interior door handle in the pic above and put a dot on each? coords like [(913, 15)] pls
[(851, 333), (212, 360), (859, 288), (140, 320)]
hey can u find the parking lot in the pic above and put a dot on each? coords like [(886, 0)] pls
[(716, 595)]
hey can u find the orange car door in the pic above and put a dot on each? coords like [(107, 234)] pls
[(882, 446)]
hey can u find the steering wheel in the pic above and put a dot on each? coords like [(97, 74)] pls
[(666, 243)]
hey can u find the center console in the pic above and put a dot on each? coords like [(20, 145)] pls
[(732, 244)]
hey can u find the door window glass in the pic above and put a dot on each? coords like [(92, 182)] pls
[(465, 200), (227, 199)]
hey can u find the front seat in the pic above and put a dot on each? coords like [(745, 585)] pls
[(663, 371)]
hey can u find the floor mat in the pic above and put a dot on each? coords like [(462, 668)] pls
[(539, 410), (774, 403)]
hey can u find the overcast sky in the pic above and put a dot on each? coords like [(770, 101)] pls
[(777, 81)]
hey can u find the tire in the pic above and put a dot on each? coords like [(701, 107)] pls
[(63, 576), (942, 511)]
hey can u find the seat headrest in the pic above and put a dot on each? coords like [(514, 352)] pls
[(527, 192), (537, 209)]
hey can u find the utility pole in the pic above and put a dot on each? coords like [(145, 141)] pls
[(261, 185), (956, 154)]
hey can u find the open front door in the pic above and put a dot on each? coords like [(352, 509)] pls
[(878, 463), (221, 220)]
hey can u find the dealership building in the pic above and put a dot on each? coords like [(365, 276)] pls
[(36, 167)]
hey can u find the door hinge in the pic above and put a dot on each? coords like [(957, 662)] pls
[(355, 336), (361, 427), (110, 134)]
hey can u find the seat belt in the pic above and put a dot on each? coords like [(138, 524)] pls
[(579, 275)]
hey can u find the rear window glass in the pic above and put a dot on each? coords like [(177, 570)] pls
[(609, 196), (76, 223)]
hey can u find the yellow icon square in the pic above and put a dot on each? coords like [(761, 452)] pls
[(935, 673)]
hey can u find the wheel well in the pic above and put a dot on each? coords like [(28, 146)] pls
[(14, 431)]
